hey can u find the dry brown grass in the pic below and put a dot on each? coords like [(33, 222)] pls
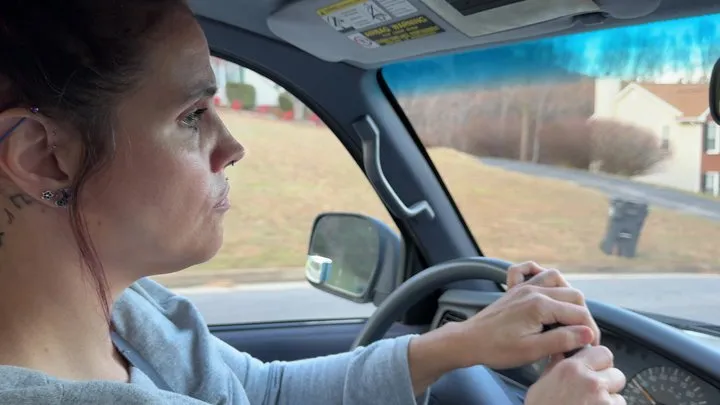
[(520, 217), (295, 171)]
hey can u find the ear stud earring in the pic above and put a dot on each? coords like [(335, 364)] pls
[(60, 197)]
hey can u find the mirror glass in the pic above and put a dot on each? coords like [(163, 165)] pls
[(344, 253)]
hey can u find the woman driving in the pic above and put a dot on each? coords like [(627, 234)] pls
[(112, 162)]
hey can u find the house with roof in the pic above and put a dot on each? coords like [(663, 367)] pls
[(266, 91), (679, 116)]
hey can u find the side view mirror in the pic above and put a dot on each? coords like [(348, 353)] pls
[(354, 257), (715, 92)]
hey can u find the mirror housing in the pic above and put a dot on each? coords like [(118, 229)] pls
[(354, 256), (715, 93)]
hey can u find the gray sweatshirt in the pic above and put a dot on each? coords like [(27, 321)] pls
[(167, 341)]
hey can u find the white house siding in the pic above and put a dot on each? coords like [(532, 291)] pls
[(226, 72), (639, 107)]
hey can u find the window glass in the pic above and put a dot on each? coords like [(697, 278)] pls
[(295, 169), (665, 137), (711, 141), (554, 151), (711, 183)]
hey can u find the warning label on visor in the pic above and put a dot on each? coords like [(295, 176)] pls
[(405, 30)]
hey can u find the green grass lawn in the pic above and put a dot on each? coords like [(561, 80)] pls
[(294, 171)]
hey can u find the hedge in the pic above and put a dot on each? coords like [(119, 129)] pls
[(243, 92)]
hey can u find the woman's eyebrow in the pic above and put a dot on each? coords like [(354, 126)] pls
[(201, 89)]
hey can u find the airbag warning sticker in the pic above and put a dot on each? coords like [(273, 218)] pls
[(404, 30)]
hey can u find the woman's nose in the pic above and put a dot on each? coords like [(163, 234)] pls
[(228, 151)]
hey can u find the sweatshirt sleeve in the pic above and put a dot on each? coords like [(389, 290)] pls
[(376, 374), (169, 333)]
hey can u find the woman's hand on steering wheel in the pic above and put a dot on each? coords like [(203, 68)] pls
[(532, 273), (513, 331), (510, 332)]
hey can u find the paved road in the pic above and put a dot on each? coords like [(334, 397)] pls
[(617, 187), (686, 296)]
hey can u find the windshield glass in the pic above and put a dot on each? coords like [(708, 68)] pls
[(592, 153)]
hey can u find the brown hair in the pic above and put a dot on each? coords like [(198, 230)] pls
[(74, 59)]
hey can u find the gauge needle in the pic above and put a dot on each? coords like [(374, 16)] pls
[(644, 392)]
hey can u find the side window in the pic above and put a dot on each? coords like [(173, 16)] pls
[(711, 139), (295, 169), (665, 137), (711, 183)]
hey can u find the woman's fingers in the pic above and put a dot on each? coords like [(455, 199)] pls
[(560, 306), (617, 399), (549, 278), (517, 274), (536, 275), (554, 312), (563, 294), (613, 379), (560, 340), (597, 358), (551, 283)]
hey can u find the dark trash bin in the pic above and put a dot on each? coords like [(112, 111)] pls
[(625, 222)]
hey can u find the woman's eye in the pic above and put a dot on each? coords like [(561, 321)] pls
[(192, 120)]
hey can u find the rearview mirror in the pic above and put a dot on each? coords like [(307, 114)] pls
[(349, 253), (715, 93)]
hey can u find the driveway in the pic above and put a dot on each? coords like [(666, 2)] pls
[(617, 187)]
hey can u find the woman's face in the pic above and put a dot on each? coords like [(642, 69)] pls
[(159, 204)]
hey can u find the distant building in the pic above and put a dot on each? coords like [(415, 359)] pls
[(266, 90), (678, 115)]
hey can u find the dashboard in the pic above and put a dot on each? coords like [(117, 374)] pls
[(661, 366), (653, 379)]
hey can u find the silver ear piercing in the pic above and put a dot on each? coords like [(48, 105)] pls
[(60, 197)]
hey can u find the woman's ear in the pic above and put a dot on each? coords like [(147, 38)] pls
[(36, 154)]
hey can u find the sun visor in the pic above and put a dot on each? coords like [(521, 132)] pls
[(476, 18), (370, 32)]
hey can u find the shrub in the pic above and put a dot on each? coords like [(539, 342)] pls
[(566, 143), (624, 149), (243, 92), (489, 138), (285, 102)]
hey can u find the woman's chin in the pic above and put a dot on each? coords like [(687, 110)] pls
[(204, 252), (197, 254)]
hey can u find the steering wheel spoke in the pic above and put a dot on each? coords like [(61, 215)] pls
[(469, 386)]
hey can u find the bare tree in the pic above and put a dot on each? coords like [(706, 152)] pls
[(536, 105)]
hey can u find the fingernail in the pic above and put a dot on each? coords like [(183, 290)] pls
[(586, 335)]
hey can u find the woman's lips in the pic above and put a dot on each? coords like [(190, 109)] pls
[(224, 203)]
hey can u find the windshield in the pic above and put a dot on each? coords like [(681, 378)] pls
[(592, 153)]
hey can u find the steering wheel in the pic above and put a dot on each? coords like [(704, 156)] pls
[(471, 386)]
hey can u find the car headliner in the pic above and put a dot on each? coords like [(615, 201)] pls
[(297, 23)]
